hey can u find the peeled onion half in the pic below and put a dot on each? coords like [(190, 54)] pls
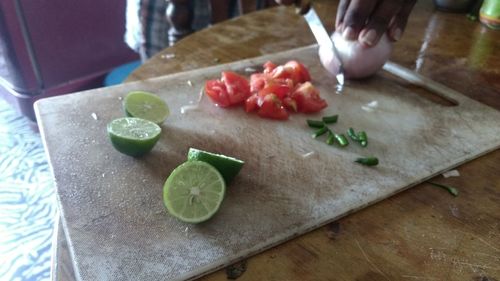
[(359, 61)]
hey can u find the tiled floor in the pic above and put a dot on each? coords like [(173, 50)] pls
[(27, 200)]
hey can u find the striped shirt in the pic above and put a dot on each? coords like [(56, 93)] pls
[(147, 26)]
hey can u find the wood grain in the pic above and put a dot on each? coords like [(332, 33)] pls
[(420, 234)]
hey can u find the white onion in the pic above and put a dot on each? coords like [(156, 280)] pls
[(359, 61), (186, 108), (307, 155)]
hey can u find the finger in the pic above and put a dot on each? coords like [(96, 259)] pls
[(398, 25), (379, 21), (355, 18), (341, 9)]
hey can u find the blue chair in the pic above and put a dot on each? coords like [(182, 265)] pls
[(119, 74)]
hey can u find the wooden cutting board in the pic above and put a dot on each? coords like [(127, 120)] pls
[(111, 204)]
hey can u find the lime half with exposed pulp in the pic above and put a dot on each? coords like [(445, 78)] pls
[(194, 192), (133, 136), (146, 106), (229, 167)]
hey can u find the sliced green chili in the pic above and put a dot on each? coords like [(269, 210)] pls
[(330, 139), (367, 161), (450, 189), (363, 138), (352, 134), (315, 123), (341, 140), (320, 132), (331, 119)]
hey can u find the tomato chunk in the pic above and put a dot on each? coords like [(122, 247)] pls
[(238, 88), (281, 91), (290, 104), (301, 71), (269, 66), (273, 108), (258, 81), (293, 70), (308, 99), (217, 92), (231, 89), (251, 104)]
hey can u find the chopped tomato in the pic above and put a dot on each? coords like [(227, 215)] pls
[(293, 70), (301, 71), (273, 108), (217, 91), (238, 88), (308, 99), (258, 81), (251, 104), (269, 66), (290, 104), (273, 93), (281, 91), (231, 89)]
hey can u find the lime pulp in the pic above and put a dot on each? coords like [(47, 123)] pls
[(133, 136), (146, 106), (194, 192)]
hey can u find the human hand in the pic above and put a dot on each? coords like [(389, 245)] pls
[(367, 21)]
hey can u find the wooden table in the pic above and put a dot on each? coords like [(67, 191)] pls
[(423, 233)]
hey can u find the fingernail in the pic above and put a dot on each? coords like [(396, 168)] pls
[(349, 33), (396, 34), (369, 37)]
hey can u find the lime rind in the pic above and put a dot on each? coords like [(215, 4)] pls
[(228, 166), (146, 106), (194, 192)]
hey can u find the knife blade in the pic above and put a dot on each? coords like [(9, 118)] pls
[(323, 38)]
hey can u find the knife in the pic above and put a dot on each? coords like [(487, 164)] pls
[(321, 35)]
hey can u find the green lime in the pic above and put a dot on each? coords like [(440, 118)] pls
[(146, 106), (194, 191), (229, 167), (133, 136)]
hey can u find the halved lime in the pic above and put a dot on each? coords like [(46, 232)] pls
[(146, 106), (194, 191), (133, 136), (229, 167)]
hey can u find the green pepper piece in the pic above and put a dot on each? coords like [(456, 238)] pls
[(315, 123), (341, 140), (363, 138), (367, 161), (320, 132), (330, 139), (352, 134), (453, 191), (331, 119)]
